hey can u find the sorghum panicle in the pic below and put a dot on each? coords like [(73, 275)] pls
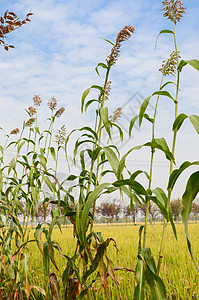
[(117, 114), (169, 66), (122, 36), (59, 112), (173, 10), (60, 137), (100, 97), (107, 90), (37, 100), (15, 131), (30, 122), (32, 111), (52, 103)]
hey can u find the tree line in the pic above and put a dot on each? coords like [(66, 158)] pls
[(113, 210)]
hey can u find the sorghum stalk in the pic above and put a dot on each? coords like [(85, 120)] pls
[(162, 245), (50, 129), (97, 143), (15, 172), (35, 138), (60, 140), (18, 150), (26, 207), (123, 35), (37, 101), (151, 167), (3, 149), (99, 129)]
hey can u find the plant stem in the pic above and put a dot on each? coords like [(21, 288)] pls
[(3, 149), (50, 139), (50, 129), (151, 167), (18, 150), (162, 245), (98, 142), (146, 222), (56, 167), (99, 130), (35, 138)]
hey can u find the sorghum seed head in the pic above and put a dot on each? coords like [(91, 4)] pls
[(15, 131), (116, 114), (37, 100), (30, 122), (60, 137), (59, 112), (100, 97), (52, 103), (173, 10), (122, 36), (107, 89), (169, 66), (32, 110)]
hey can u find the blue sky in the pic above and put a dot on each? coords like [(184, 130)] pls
[(56, 54)]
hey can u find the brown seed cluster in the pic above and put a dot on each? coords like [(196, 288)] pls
[(32, 110), (59, 112), (117, 114), (122, 36), (173, 10), (9, 22), (60, 137), (15, 131), (37, 100), (30, 122), (107, 92), (52, 103), (169, 66)]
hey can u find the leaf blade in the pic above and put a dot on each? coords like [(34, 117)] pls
[(189, 195)]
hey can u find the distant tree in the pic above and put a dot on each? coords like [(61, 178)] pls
[(20, 212), (128, 213), (176, 208), (106, 210), (153, 211), (117, 210), (39, 215), (143, 209), (109, 210), (195, 210), (43, 213)]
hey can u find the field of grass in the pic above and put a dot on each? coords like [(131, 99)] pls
[(179, 274)]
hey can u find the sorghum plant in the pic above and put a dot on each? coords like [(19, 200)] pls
[(146, 270), (88, 261), (21, 195)]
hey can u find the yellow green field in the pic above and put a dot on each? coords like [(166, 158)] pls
[(178, 272)]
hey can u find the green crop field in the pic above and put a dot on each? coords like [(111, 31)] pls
[(178, 272)]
